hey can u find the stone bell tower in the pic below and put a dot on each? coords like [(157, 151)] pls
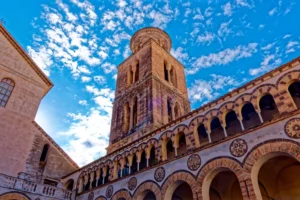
[(151, 88)]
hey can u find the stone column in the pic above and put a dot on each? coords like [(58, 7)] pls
[(97, 176), (224, 129), (80, 185), (115, 174), (260, 117), (104, 174), (130, 158), (208, 134), (91, 179), (241, 122), (164, 149)]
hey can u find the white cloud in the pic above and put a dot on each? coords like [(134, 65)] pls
[(108, 67), (272, 12), (223, 57), (268, 46), (179, 54), (269, 62), (227, 9), (207, 90), (159, 19), (287, 36), (100, 79), (83, 102), (206, 38), (224, 29), (42, 58), (243, 3), (85, 79)]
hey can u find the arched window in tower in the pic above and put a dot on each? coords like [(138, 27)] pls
[(134, 164), (170, 150), (169, 110), (129, 77), (173, 76), (137, 71), (233, 125), (250, 116), (6, 87), (126, 117), (177, 110), (143, 162), (44, 154), (166, 72), (294, 90), (135, 112)]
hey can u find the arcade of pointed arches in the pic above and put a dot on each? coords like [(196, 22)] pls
[(265, 103)]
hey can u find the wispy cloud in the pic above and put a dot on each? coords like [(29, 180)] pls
[(223, 57)]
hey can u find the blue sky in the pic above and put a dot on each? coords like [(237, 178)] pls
[(78, 44)]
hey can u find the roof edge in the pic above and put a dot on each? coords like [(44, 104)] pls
[(27, 58)]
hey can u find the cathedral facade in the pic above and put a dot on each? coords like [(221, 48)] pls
[(241, 146)]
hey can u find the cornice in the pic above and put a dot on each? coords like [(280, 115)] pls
[(27, 58)]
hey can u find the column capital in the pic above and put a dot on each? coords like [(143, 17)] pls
[(169, 66)]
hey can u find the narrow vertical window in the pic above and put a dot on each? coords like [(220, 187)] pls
[(6, 88), (44, 153), (173, 77), (166, 72), (137, 71), (135, 114), (126, 117), (169, 110)]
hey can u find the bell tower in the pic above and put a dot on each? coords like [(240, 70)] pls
[(151, 88)]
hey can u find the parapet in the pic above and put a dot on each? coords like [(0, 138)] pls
[(143, 35)]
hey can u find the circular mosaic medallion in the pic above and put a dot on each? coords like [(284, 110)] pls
[(91, 196), (194, 162), (238, 147), (292, 128), (132, 183), (109, 191), (159, 174)]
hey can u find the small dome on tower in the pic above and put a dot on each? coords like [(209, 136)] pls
[(143, 35)]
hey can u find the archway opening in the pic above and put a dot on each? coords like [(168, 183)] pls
[(217, 132), (143, 163), (279, 178), (87, 185), (170, 150), (166, 72), (126, 167), (106, 179), (202, 134), (69, 185), (100, 179), (233, 125), (152, 159), (137, 71), (146, 195), (294, 90), (181, 144), (179, 190), (169, 108), (134, 164), (94, 182), (250, 116), (231, 190), (268, 108), (121, 198)]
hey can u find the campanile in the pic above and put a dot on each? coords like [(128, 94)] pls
[(151, 88)]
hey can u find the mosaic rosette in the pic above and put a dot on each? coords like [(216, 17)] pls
[(159, 174), (292, 128), (238, 147), (91, 196), (109, 191), (132, 183), (194, 162)]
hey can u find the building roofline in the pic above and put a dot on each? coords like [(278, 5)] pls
[(55, 144), (27, 58)]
